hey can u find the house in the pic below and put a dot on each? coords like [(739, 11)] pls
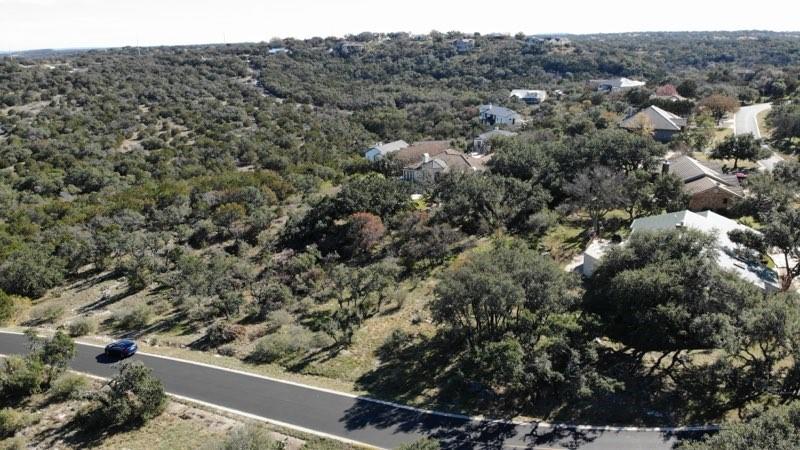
[(616, 84), (529, 96), (498, 115), (347, 48), (707, 188), (719, 226), (278, 51), (380, 150), (430, 168), (464, 45), (483, 143), (594, 255), (415, 151), (664, 124)]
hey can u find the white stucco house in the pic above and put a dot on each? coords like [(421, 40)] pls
[(529, 96), (616, 84), (381, 150), (464, 45), (709, 222)]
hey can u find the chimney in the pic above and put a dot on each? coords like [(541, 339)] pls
[(665, 167), (426, 158)]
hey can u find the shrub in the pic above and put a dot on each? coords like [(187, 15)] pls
[(250, 437), (135, 318), (221, 333), (69, 387), (287, 342), (279, 318), (12, 421), (6, 307), (81, 327), (15, 443), (47, 313), (21, 377), (134, 396), (422, 444)]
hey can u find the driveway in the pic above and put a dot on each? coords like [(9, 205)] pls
[(746, 121), (356, 419)]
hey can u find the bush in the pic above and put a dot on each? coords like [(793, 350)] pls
[(134, 396), (21, 377), (69, 387), (81, 327), (221, 333), (6, 307), (135, 318), (12, 421), (15, 443), (287, 342), (250, 437), (422, 444), (279, 318), (47, 313)]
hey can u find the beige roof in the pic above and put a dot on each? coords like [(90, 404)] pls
[(454, 160), (413, 153), (706, 184)]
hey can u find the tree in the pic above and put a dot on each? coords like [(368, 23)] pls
[(597, 191), (744, 147), (30, 271), (777, 428), (663, 292), (687, 88), (514, 310), (360, 293), (782, 230), (719, 105), (133, 397), (365, 231), (785, 123)]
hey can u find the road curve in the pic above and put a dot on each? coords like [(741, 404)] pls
[(746, 120), (351, 418)]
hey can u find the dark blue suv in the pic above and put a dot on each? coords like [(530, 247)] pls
[(122, 348)]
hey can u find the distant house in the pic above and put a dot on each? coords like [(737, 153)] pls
[(664, 124), (483, 143), (381, 150), (719, 226), (529, 96), (616, 84), (707, 188), (278, 51), (430, 168), (464, 45), (414, 152), (347, 48), (555, 41), (498, 115)]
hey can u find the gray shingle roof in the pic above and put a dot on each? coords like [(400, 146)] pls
[(661, 120)]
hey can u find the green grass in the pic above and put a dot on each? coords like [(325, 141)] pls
[(763, 128)]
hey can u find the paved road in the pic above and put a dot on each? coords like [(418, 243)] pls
[(746, 121), (349, 417)]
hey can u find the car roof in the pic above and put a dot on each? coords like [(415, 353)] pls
[(124, 341)]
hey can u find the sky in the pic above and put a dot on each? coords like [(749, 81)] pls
[(34, 24)]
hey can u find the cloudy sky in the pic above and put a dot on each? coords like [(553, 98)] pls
[(29, 24)]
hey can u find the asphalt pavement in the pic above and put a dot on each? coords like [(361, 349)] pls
[(356, 419), (746, 121)]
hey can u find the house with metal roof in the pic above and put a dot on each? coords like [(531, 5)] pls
[(707, 188), (727, 256), (381, 150), (498, 115), (616, 84), (663, 124)]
